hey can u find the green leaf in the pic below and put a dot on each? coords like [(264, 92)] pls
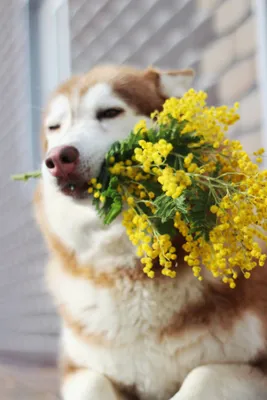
[(165, 228), (114, 211), (150, 186), (167, 207)]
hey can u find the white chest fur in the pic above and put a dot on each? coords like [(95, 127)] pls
[(130, 317)]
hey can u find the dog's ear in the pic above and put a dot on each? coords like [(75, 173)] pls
[(171, 83)]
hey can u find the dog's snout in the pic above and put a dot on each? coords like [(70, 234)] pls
[(61, 161)]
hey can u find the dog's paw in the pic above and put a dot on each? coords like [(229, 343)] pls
[(88, 385)]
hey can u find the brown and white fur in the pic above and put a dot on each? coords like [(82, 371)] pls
[(125, 336)]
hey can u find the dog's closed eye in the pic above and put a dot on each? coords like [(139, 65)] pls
[(54, 127), (109, 113)]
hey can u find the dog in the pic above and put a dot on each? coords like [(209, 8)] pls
[(125, 336)]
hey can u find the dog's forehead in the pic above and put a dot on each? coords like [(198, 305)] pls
[(101, 95), (106, 85), (59, 107)]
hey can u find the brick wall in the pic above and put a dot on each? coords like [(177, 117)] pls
[(216, 37), (229, 64)]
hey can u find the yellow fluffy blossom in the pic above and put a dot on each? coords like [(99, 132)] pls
[(189, 174), (140, 127), (184, 178)]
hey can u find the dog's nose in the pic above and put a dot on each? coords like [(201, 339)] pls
[(61, 161)]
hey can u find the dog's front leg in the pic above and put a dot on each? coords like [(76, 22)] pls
[(224, 382), (84, 384)]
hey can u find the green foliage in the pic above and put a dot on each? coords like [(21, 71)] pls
[(193, 205), (113, 204), (199, 217), (167, 207)]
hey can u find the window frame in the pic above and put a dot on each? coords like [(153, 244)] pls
[(43, 80)]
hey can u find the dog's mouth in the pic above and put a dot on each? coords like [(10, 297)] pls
[(74, 187)]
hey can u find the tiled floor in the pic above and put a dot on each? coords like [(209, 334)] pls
[(28, 383)]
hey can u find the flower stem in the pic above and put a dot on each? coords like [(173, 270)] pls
[(28, 175)]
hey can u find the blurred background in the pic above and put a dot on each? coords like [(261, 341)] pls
[(43, 42)]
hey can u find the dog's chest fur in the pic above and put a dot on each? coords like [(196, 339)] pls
[(125, 332)]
